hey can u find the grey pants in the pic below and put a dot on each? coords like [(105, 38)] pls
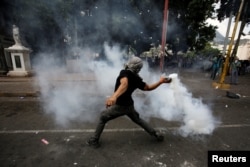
[(117, 111), (234, 77)]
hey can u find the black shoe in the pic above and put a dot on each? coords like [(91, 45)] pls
[(93, 142), (159, 136)]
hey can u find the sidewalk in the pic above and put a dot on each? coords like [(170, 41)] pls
[(27, 86), (18, 86)]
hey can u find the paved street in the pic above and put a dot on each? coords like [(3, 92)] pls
[(30, 137)]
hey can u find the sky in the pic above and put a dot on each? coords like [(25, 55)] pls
[(222, 26)]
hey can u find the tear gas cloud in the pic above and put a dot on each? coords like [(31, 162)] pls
[(77, 96), (174, 102), (77, 99), (72, 97)]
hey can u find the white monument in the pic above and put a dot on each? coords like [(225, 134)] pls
[(20, 56)]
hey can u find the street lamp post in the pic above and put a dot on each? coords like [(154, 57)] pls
[(164, 35)]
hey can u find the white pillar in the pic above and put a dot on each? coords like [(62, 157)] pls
[(20, 57)]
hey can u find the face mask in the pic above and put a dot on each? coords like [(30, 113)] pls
[(135, 64)]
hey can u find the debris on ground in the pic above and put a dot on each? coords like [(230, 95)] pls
[(45, 141), (232, 95)]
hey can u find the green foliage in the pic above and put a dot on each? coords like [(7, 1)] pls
[(191, 54), (190, 18), (228, 6), (208, 51), (205, 54)]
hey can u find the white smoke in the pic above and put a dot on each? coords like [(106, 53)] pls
[(79, 96), (70, 99), (107, 71), (173, 102)]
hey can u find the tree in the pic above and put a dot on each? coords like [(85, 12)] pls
[(226, 6), (191, 17), (127, 22), (187, 28)]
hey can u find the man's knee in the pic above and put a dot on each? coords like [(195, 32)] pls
[(104, 117)]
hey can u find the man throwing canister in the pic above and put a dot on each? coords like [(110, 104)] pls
[(121, 102)]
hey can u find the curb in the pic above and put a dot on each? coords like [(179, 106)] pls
[(20, 94)]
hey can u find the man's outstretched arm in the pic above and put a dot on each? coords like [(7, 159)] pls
[(157, 84)]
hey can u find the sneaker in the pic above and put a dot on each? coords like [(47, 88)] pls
[(159, 136), (93, 142)]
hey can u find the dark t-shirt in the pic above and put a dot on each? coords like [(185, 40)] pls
[(134, 82)]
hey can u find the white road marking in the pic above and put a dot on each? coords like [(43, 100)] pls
[(105, 130)]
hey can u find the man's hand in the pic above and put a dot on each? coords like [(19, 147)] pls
[(110, 101), (155, 85), (165, 80)]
